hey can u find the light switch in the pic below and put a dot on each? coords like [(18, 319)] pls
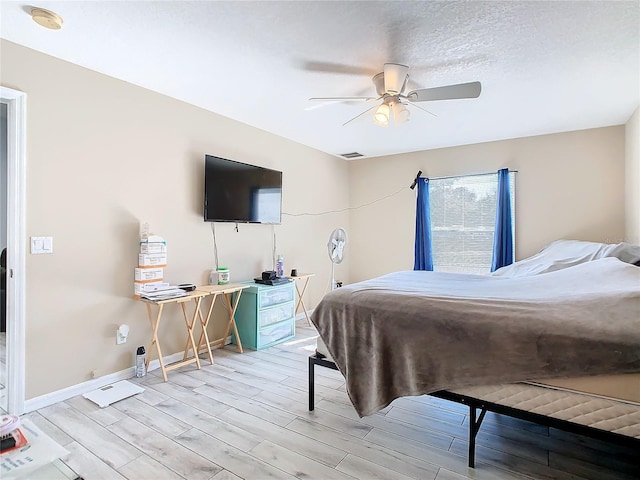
[(41, 245), (47, 244)]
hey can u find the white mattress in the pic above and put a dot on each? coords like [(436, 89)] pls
[(601, 409), (617, 387), (606, 414)]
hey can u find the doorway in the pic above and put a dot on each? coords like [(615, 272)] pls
[(12, 240), (3, 257)]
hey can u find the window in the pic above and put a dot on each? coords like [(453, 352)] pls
[(463, 218)]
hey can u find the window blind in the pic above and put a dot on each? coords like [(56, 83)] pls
[(463, 217)]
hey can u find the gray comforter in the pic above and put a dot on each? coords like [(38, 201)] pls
[(411, 333)]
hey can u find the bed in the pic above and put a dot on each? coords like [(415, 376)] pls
[(553, 339)]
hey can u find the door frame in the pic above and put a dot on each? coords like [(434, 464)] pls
[(16, 239)]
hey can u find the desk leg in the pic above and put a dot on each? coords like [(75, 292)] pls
[(190, 327), (301, 300), (154, 339), (232, 318), (204, 335), (203, 322)]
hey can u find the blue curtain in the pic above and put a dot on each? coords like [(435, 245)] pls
[(503, 235), (423, 259)]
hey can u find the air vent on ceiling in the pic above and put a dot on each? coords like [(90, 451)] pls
[(351, 155)]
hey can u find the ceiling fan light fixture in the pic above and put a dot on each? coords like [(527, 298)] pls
[(401, 113), (381, 116)]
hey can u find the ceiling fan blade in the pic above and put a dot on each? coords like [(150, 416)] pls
[(342, 99), (395, 76), (449, 92)]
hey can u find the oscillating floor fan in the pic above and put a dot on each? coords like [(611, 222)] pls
[(335, 247)]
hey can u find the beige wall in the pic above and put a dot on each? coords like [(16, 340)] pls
[(569, 185), (632, 177), (104, 155)]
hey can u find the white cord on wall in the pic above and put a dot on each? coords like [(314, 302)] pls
[(273, 258), (215, 244), (344, 209), (274, 255)]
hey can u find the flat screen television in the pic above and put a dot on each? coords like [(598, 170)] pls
[(241, 193)]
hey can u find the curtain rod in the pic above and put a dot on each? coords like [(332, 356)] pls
[(467, 175)]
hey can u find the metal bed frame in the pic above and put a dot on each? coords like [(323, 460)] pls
[(476, 419)]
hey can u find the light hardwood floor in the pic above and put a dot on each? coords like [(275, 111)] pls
[(246, 417)]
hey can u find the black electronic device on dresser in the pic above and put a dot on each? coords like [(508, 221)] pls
[(269, 277), (272, 281)]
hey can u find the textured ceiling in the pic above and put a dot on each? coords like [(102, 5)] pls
[(544, 66)]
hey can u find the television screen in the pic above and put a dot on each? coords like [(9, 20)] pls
[(242, 193)]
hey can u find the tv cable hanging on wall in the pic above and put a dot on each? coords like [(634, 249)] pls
[(313, 214)]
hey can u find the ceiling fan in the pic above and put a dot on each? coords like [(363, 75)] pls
[(391, 86)]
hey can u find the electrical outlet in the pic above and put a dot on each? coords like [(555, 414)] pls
[(121, 334), (120, 339)]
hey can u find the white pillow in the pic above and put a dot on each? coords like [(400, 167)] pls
[(561, 254), (626, 252)]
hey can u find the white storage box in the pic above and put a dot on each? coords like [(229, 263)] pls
[(139, 287), (153, 247), (152, 260), (148, 274)]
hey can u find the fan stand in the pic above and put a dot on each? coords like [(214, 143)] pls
[(336, 245), (333, 279)]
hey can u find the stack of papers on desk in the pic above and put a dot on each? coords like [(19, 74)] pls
[(161, 292)]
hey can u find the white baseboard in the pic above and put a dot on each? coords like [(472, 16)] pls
[(47, 399)]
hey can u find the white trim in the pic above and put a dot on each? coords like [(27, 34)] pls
[(47, 399), (61, 395), (16, 266), (51, 398)]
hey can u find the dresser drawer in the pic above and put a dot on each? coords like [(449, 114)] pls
[(266, 315), (275, 314), (275, 296), (275, 333)]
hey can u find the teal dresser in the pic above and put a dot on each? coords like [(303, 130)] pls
[(266, 315)]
